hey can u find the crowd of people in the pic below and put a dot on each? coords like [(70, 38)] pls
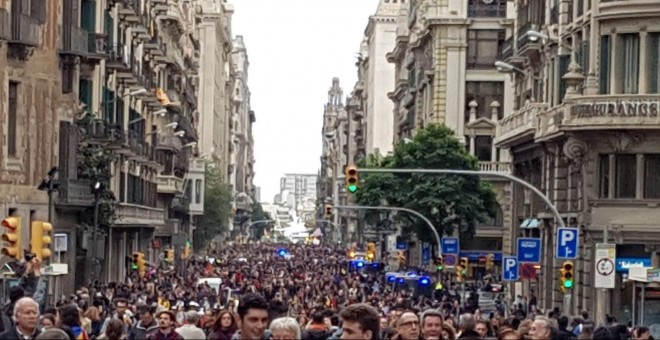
[(308, 292)]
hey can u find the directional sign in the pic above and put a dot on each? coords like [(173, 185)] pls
[(529, 250), (511, 271), (451, 245), (567, 243), (605, 267)]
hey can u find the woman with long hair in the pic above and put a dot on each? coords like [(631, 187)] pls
[(224, 327), (70, 320)]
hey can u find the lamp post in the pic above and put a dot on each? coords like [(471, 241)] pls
[(97, 188), (50, 186)]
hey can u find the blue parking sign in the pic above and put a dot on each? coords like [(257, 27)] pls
[(511, 271), (529, 250), (567, 243)]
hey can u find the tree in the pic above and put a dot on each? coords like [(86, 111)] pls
[(450, 202), (258, 214), (217, 208)]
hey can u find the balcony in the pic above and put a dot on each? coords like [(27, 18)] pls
[(76, 42), (139, 215), (140, 149), (97, 45), (197, 165), (519, 125), (506, 49), (479, 9), (169, 184), (5, 25), (169, 143), (24, 30), (116, 60), (75, 193), (526, 47), (612, 9), (601, 112), (99, 131), (503, 167)]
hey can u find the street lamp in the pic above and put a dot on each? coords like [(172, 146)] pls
[(97, 190), (506, 67), (50, 185), (535, 36), (180, 133), (172, 125)]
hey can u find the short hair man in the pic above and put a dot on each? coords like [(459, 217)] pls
[(361, 322), (432, 325), (408, 326), (26, 320), (190, 331), (253, 312)]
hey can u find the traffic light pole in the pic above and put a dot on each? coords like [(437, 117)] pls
[(410, 211), (524, 183)]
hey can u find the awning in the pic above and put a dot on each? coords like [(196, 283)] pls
[(530, 223)]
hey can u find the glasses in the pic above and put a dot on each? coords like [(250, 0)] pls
[(410, 324)]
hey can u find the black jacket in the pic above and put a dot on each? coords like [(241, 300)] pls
[(12, 334)]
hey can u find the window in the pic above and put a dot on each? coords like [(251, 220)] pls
[(652, 176), (605, 58), (12, 123), (487, 9), (483, 148), (626, 176), (484, 93), (630, 62), (604, 175), (483, 47), (198, 191), (564, 61)]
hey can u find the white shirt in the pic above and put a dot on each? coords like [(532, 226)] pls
[(191, 332)]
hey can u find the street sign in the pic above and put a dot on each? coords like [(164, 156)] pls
[(529, 250), (450, 260), (451, 245), (511, 271), (605, 268), (567, 243)]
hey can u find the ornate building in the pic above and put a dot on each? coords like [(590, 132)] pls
[(583, 131), (241, 167), (444, 57)]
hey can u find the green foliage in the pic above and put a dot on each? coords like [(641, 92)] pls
[(258, 213), (450, 201), (94, 162), (217, 208)]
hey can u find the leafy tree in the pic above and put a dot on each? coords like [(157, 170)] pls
[(450, 202), (258, 214), (217, 208)]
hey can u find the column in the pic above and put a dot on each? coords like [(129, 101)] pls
[(472, 142), (644, 62)]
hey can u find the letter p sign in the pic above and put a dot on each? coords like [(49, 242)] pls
[(567, 243), (511, 271)]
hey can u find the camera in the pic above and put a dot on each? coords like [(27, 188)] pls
[(29, 256)]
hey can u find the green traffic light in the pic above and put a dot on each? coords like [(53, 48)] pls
[(352, 188), (440, 267), (568, 284)]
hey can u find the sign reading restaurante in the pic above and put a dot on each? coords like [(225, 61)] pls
[(617, 108)]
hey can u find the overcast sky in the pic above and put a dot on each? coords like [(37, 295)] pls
[(295, 48)]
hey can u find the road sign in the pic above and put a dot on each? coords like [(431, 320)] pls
[(511, 270), (567, 243), (451, 245), (605, 267), (450, 260), (529, 250)]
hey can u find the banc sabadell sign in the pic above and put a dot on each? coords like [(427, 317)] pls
[(625, 263)]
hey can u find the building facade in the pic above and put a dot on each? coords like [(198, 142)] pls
[(217, 82), (444, 56), (241, 166), (298, 192), (107, 94), (582, 131), (378, 75)]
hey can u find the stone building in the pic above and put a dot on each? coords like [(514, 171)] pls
[(583, 131), (34, 97), (444, 57), (334, 159), (217, 82), (109, 93)]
